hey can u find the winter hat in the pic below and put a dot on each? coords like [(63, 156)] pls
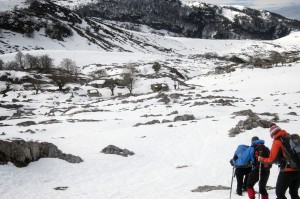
[(274, 129), (254, 139)]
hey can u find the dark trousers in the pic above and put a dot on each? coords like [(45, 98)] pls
[(289, 180), (241, 178), (263, 179)]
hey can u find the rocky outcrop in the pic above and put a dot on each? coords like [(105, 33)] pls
[(252, 121), (111, 149), (184, 117), (21, 153)]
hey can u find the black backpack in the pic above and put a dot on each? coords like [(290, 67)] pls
[(263, 151), (291, 150)]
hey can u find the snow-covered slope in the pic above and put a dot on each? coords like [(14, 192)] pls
[(7, 5), (178, 46), (170, 160)]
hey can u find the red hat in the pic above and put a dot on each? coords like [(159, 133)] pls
[(274, 129)]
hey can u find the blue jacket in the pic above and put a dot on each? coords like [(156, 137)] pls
[(238, 154), (248, 155)]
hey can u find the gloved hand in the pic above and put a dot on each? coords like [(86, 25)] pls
[(259, 158), (232, 162), (235, 157)]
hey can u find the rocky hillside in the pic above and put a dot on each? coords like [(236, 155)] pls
[(197, 20), (108, 25), (46, 25)]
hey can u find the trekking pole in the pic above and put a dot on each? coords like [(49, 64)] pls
[(231, 182), (259, 176)]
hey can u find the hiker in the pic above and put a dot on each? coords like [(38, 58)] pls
[(242, 169), (288, 177), (260, 172)]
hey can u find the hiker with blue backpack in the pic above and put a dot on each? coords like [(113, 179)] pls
[(259, 172), (242, 169), (285, 151)]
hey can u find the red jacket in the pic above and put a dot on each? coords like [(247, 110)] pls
[(277, 150)]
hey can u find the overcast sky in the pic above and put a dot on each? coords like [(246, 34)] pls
[(288, 8)]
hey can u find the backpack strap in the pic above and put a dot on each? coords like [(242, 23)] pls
[(256, 154)]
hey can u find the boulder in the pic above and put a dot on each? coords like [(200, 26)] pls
[(184, 117), (111, 149), (21, 153)]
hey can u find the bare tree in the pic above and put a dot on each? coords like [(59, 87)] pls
[(36, 84), (69, 65), (11, 65), (99, 73), (61, 77), (156, 67), (111, 83), (276, 57), (20, 59), (46, 63), (129, 76), (31, 61), (1, 64), (6, 90)]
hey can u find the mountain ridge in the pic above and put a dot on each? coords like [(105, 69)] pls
[(196, 20), (46, 25)]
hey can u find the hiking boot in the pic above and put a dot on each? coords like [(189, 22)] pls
[(239, 192), (251, 193), (264, 197)]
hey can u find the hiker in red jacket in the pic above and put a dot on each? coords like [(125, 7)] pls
[(288, 177)]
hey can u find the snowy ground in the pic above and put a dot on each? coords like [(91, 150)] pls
[(201, 146)]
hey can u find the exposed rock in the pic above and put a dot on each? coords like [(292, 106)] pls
[(224, 102), (111, 149), (61, 188), (248, 112), (173, 113), (3, 117), (293, 113), (21, 153), (184, 117), (165, 99), (151, 115), (27, 123), (165, 121), (175, 95), (148, 123), (28, 131), (17, 114), (252, 121), (11, 106), (207, 188), (53, 121), (181, 166), (152, 122), (15, 100), (200, 103)]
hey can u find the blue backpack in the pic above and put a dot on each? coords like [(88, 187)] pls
[(238, 160)]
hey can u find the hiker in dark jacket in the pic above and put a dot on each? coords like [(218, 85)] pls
[(259, 172), (288, 177), (242, 169)]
